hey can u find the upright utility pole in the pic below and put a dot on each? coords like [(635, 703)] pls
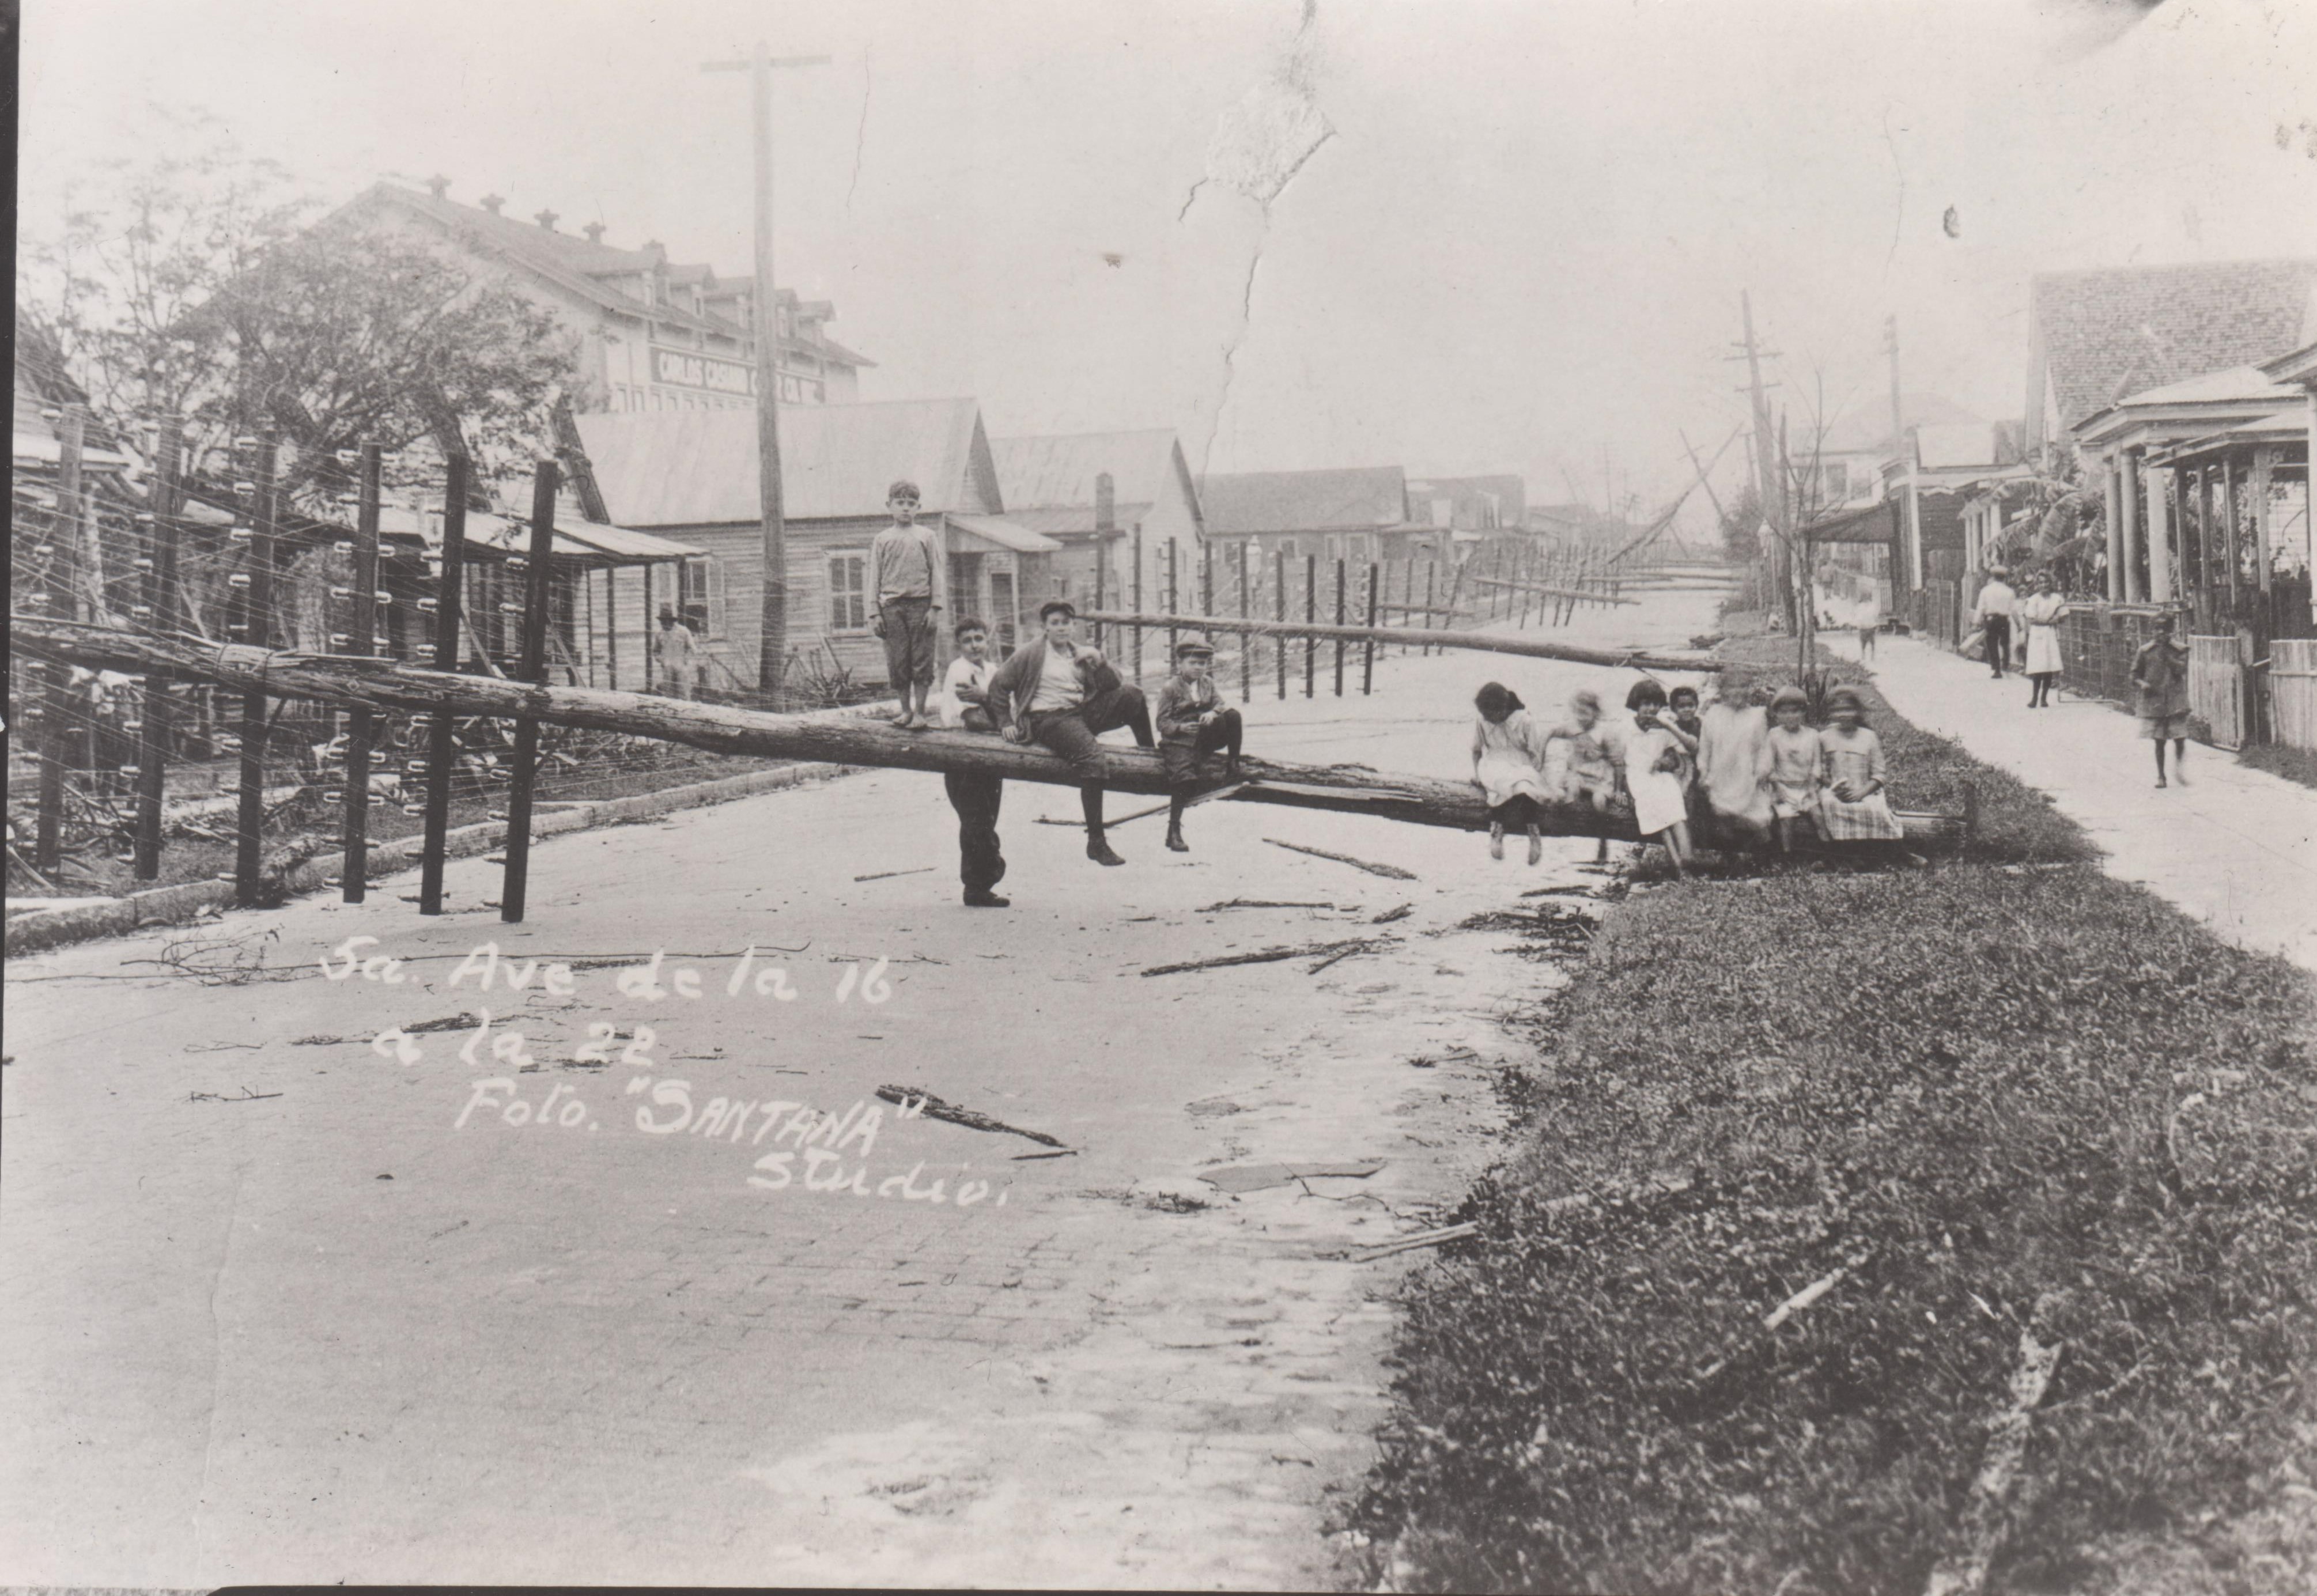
[(773, 640), (1769, 474), (1912, 530)]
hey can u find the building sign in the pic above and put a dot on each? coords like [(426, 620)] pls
[(677, 367)]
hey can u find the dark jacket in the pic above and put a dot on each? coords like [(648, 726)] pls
[(1017, 682)]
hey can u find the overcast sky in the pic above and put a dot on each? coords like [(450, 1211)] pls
[(1514, 240)]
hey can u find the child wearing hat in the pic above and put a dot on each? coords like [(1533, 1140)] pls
[(904, 563), (1192, 723), (1794, 756), (1508, 766), (1851, 807), (1594, 772)]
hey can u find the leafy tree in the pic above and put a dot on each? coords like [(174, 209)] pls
[(1741, 527), (190, 287)]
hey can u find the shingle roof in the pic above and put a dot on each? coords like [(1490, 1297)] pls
[(698, 468), (1360, 498), (2107, 334)]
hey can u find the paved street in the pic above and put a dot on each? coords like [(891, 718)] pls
[(2234, 847), (280, 1307)]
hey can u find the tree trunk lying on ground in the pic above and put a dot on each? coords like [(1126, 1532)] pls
[(1481, 642), (391, 684), (1584, 595)]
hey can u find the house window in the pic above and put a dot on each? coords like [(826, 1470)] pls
[(704, 594), (848, 593)]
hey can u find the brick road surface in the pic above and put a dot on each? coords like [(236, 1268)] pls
[(272, 1314)]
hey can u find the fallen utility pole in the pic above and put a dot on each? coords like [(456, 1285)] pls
[(1578, 594), (1481, 642), (722, 728)]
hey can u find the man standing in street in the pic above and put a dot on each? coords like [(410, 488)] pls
[(678, 649), (902, 560), (1997, 605), (1060, 694)]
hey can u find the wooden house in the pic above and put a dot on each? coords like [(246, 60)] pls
[(1055, 486), (691, 476)]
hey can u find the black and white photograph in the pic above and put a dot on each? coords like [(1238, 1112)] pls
[(1272, 795)]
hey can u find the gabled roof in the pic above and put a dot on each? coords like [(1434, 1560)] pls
[(1053, 477), (698, 468), (2297, 365), (2103, 335), (2188, 407), (1357, 499)]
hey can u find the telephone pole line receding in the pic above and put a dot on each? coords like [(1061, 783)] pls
[(773, 643)]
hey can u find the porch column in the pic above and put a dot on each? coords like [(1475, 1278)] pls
[(2114, 528), (2263, 464), (2135, 590), (2159, 534)]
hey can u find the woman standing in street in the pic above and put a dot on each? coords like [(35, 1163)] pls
[(2042, 612)]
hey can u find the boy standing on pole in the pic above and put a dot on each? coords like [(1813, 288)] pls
[(902, 560)]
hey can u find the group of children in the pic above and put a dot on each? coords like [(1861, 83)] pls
[(1749, 771)]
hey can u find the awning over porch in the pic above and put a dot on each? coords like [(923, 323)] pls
[(1873, 523), (2287, 429), (992, 534), (576, 539)]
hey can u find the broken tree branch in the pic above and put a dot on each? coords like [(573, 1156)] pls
[(1274, 955), (1393, 870), (935, 1108)]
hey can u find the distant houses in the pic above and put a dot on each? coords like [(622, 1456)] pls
[(1355, 515)]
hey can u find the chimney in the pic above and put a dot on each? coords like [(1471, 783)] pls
[(594, 231), (656, 250), (491, 203), (1106, 504), (545, 218), (439, 186)]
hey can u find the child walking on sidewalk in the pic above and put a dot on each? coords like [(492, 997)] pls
[(1508, 766)]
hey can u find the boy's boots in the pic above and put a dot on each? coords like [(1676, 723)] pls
[(1097, 844), (1175, 843)]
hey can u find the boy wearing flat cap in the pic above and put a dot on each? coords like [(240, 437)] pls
[(1061, 695), (1193, 723), (904, 560)]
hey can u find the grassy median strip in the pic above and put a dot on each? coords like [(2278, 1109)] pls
[(1814, 1165)]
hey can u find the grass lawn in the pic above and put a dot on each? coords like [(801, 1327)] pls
[(2002, 1104), (2295, 764)]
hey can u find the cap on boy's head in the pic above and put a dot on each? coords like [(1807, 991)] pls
[(1647, 691), (1846, 695), (1790, 695), (903, 489), (666, 613), (1194, 648), (970, 624), (1053, 607)]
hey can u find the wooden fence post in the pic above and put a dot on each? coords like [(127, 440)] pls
[(441, 730), (1173, 601), (161, 615), (1339, 621), (1138, 601), (250, 824), (362, 638), (64, 584), (1368, 665), (538, 590), (1246, 644), (1279, 613), (1311, 613)]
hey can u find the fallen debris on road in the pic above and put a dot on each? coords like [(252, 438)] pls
[(1393, 870), (935, 1108)]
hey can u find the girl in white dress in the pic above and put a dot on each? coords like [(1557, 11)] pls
[(1653, 766), (2042, 612), (1508, 766)]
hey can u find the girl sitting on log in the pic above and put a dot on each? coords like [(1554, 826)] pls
[(1596, 773), (1653, 766), (1507, 766)]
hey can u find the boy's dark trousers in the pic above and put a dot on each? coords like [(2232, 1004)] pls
[(1998, 629), (975, 797)]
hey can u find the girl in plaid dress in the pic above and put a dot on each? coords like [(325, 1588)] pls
[(1851, 807)]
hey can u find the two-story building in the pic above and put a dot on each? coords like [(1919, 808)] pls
[(653, 334)]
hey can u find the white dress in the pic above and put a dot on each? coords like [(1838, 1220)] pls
[(2042, 613), (1658, 798), (1511, 756)]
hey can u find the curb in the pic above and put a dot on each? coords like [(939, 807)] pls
[(175, 906)]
